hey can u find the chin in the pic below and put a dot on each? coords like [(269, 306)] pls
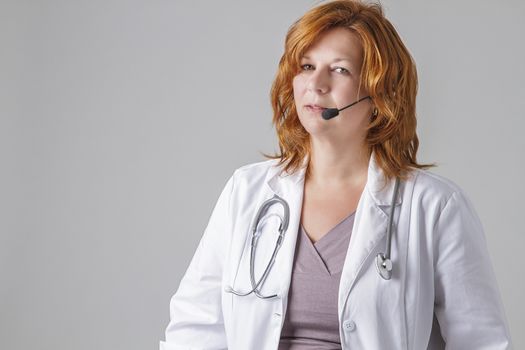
[(316, 128)]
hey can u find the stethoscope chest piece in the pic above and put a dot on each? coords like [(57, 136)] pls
[(384, 266)]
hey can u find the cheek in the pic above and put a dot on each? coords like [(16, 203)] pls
[(298, 86)]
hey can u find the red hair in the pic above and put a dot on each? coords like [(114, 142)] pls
[(388, 72)]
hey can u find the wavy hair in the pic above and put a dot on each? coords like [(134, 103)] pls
[(388, 72)]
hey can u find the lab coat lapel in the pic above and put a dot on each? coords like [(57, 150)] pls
[(370, 223), (370, 226)]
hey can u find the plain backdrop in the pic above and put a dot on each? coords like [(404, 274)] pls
[(122, 120)]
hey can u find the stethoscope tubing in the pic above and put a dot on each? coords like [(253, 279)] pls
[(283, 226), (383, 261), (391, 220)]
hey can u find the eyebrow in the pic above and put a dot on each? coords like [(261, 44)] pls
[(335, 59)]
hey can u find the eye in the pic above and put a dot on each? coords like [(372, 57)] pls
[(305, 65), (340, 70), (343, 70)]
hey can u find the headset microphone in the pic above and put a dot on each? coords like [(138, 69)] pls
[(329, 113)]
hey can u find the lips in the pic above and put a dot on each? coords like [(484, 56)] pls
[(315, 107)]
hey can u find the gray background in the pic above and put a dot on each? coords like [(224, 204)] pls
[(122, 120)]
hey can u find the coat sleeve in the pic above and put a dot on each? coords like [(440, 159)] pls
[(468, 305), (196, 319)]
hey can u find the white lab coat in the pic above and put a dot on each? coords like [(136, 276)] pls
[(441, 270)]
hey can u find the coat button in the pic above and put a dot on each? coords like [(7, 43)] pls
[(349, 325)]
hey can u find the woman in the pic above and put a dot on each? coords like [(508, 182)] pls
[(344, 276)]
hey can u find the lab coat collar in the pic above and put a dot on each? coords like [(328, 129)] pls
[(278, 180)]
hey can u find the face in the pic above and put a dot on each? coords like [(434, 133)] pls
[(329, 78)]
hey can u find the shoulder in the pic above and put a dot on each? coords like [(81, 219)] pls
[(426, 180), (255, 172), (433, 190), (443, 205), (247, 180)]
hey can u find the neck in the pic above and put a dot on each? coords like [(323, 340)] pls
[(332, 165)]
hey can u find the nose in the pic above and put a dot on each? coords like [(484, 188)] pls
[(318, 82)]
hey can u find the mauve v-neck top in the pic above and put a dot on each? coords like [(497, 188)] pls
[(311, 320)]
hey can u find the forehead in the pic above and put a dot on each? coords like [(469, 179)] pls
[(336, 43)]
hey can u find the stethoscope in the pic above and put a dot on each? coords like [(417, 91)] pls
[(383, 262)]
